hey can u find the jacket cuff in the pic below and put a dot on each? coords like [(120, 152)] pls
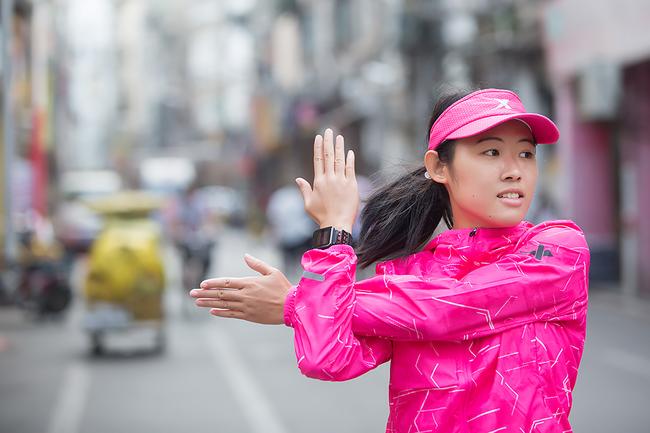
[(289, 305), (336, 250)]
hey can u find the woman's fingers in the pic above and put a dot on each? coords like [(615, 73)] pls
[(227, 313), (349, 166), (258, 265), (217, 303), (221, 294), (339, 155), (305, 189), (329, 156), (328, 152), (319, 165), (228, 283)]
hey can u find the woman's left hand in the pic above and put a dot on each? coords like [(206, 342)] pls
[(255, 299), (334, 198)]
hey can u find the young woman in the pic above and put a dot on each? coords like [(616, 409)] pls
[(484, 324)]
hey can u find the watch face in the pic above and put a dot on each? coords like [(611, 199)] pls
[(322, 237)]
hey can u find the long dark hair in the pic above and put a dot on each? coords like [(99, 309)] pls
[(399, 218)]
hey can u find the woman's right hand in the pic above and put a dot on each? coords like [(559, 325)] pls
[(258, 299), (334, 199)]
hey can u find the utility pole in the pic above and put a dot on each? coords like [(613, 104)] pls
[(8, 129)]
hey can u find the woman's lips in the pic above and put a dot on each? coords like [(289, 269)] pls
[(513, 202)]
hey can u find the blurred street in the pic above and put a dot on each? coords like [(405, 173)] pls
[(230, 376)]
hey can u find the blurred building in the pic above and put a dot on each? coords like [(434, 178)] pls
[(599, 62), (141, 58), (221, 70), (31, 100), (117, 83), (326, 63), (89, 83)]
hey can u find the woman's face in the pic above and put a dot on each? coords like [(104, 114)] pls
[(491, 178)]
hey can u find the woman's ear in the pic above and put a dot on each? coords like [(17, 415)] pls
[(436, 169)]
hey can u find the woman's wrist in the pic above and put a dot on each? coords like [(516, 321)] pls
[(337, 225)]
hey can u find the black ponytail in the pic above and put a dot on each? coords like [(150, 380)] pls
[(400, 218)]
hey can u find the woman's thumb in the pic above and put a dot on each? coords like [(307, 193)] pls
[(305, 188), (258, 265)]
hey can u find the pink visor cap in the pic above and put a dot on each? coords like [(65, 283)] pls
[(485, 109)]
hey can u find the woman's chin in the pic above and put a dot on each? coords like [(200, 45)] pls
[(507, 219)]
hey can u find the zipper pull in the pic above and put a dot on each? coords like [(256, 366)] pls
[(473, 232)]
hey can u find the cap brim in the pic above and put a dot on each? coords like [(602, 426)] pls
[(543, 129)]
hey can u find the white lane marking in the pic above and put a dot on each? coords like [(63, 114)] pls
[(629, 362), (257, 408), (71, 401)]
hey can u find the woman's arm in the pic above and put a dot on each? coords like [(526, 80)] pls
[(517, 289), (323, 301), (320, 310)]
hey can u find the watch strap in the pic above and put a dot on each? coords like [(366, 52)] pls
[(343, 237), (328, 236)]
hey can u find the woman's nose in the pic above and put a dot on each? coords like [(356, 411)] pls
[(514, 174), (511, 171)]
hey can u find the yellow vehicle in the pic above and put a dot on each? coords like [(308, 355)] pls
[(125, 281)]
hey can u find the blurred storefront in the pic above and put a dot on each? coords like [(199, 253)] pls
[(600, 70), (25, 196)]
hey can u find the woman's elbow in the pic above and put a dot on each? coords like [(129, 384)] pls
[(327, 369), (316, 368)]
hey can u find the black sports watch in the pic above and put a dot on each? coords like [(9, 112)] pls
[(329, 236)]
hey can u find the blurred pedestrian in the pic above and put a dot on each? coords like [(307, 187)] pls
[(484, 324), (291, 227), (194, 232)]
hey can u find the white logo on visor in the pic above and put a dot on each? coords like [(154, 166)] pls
[(503, 103)]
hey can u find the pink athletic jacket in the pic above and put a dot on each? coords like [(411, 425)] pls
[(484, 328)]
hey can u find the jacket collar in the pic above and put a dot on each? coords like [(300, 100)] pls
[(480, 238)]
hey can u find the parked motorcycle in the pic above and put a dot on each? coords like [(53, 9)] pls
[(43, 287)]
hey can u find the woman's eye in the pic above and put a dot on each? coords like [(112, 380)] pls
[(528, 155), (491, 152)]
